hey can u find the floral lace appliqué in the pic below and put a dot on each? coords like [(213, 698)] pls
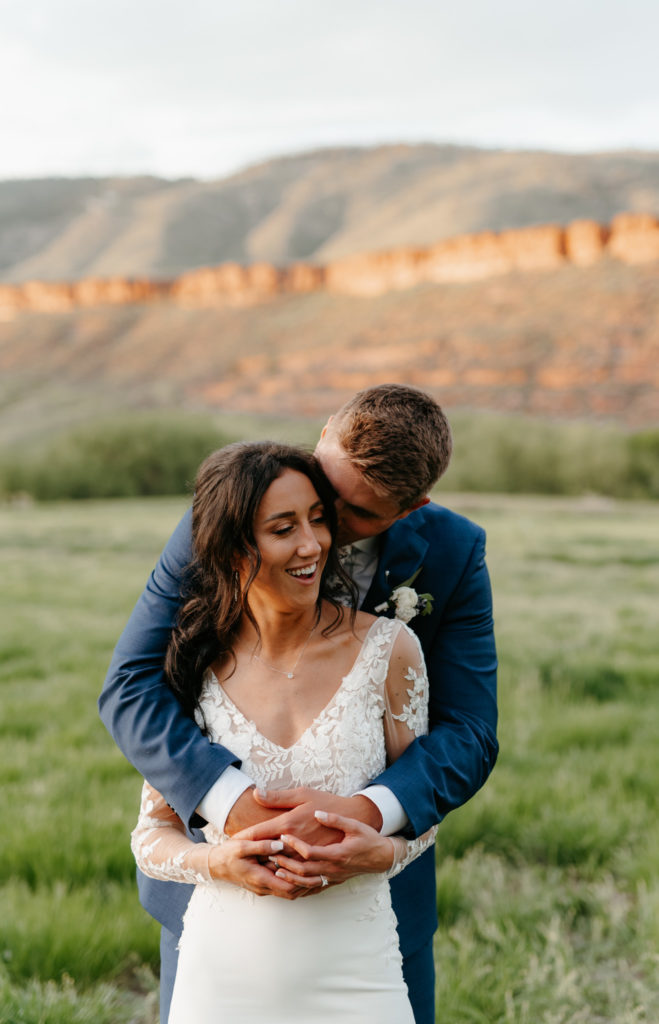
[(415, 714)]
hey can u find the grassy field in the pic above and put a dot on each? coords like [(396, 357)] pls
[(548, 893)]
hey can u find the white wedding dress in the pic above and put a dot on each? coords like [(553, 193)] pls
[(332, 956)]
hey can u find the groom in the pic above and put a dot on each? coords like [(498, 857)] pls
[(383, 451)]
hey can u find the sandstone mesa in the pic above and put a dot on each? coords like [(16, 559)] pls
[(631, 238)]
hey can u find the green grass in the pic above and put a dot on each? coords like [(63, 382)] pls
[(548, 890), (547, 880)]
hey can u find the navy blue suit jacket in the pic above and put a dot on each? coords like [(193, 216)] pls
[(437, 773)]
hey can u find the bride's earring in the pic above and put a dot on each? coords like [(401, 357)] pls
[(236, 586)]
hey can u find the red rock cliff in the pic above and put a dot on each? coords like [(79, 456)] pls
[(631, 238)]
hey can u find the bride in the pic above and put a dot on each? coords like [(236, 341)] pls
[(305, 693)]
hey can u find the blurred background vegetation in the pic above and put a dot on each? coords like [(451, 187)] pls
[(139, 455)]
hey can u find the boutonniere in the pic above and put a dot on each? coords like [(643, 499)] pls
[(405, 601)]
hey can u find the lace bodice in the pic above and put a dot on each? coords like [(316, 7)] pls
[(370, 719)]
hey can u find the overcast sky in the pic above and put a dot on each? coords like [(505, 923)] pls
[(205, 87)]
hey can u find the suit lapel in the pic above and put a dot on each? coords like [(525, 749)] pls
[(401, 554)]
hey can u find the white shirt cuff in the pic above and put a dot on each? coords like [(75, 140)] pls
[(222, 795), (394, 818)]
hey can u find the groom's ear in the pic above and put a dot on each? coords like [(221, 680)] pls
[(324, 430), (417, 504)]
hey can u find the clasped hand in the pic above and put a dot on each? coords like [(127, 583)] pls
[(327, 840)]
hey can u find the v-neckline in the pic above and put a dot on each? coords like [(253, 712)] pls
[(321, 714)]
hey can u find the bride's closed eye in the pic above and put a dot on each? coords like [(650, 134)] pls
[(318, 520)]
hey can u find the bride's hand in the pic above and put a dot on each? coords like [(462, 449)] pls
[(361, 851), (240, 861)]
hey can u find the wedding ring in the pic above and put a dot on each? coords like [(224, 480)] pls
[(324, 881), (275, 862)]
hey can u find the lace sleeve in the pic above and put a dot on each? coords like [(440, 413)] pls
[(405, 694), (161, 847), (407, 850), (406, 717)]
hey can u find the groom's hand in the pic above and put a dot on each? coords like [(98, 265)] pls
[(297, 814), (246, 812)]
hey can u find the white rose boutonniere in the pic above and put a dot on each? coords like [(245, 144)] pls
[(405, 601)]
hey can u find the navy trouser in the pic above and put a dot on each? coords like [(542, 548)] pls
[(418, 970)]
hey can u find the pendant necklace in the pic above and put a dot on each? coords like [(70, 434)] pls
[(290, 674)]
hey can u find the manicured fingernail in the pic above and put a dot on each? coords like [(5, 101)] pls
[(262, 792), (280, 874), (321, 815), (276, 845)]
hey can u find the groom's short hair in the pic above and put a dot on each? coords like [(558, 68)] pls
[(399, 439)]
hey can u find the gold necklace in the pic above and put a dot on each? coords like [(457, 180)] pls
[(290, 674)]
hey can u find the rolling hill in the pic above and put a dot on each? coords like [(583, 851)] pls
[(317, 206)]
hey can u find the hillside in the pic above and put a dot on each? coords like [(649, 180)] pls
[(569, 342), (319, 207)]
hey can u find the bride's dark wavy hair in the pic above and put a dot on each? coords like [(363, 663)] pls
[(229, 488)]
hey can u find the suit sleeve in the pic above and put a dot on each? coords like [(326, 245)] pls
[(442, 770), (136, 705)]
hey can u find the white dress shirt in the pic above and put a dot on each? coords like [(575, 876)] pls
[(361, 561)]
